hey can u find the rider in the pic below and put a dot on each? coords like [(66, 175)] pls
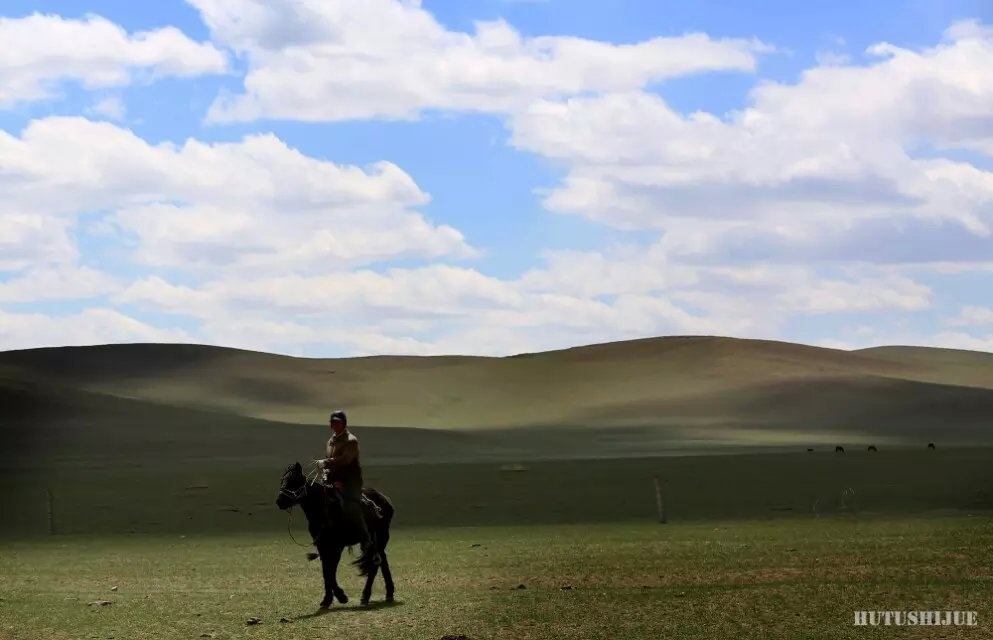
[(345, 473)]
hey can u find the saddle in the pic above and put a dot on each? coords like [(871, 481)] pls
[(369, 508)]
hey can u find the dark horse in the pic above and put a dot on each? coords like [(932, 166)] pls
[(331, 535)]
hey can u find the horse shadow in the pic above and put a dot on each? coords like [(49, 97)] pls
[(379, 604)]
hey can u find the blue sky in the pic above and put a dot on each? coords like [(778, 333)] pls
[(558, 173)]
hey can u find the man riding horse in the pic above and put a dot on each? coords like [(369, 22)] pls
[(343, 471)]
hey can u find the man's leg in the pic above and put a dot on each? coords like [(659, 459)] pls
[(354, 510)]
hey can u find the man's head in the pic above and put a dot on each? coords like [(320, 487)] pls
[(338, 421)]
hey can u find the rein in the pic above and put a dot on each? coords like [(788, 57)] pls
[(289, 519), (296, 496)]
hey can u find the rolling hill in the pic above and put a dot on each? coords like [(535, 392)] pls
[(667, 393), (183, 438)]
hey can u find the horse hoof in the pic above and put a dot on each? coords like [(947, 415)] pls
[(325, 605), (364, 602), (342, 598), (389, 599)]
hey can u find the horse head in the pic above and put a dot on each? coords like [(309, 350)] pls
[(292, 487)]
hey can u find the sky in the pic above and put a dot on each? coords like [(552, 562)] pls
[(328, 178)]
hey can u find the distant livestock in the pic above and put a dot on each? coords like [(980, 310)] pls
[(930, 445), (810, 450), (872, 447), (839, 449)]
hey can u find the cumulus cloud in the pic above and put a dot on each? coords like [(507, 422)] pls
[(111, 107), (257, 203), (835, 153), (442, 309), (29, 239), (435, 291), (92, 326), (40, 51), (63, 283), (863, 339), (795, 207), (347, 59), (973, 316)]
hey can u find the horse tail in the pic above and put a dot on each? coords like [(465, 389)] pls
[(365, 563)]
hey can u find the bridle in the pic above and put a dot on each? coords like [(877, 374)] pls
[(295, 497)]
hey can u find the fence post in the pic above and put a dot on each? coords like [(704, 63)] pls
[(658, 500), (51, 512)]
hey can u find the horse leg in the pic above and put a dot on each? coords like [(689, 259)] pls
[(329, 567), (367, 591), (387, 576), (339, 593), (328, 574), (382, 538)]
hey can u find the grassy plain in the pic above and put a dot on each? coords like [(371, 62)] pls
[(782, 545), (162, 463), (795, 578)]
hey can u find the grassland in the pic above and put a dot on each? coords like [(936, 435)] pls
[(213, 496), (781, 545), (783, 579), (162, 462)]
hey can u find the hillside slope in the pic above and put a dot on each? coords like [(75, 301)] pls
[(49, 427), (702, 388)]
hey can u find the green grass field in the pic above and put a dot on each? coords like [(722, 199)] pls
[(783, 579), (206, 496), (163, 461), (757, 545)]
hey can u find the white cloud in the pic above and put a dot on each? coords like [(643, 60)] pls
[(92, 326), (623, 270), (435, 309), (31, 239), (270, 249), (902, 337), (39, 51), (155, 292), (825, 295), (958, 340), (111, 107), (832, 58), (256, 203), (775, 295), (296, 338), (347, 59), (820, 159), (64, 283), (363, 296), (973, 316), (441, 309)]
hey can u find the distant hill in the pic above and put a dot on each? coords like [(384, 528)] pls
[(683, 391)]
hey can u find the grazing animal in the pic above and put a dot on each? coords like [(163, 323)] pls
[(809, 450), (839, 449), (872, 447), (331, 533), (930, 445)]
